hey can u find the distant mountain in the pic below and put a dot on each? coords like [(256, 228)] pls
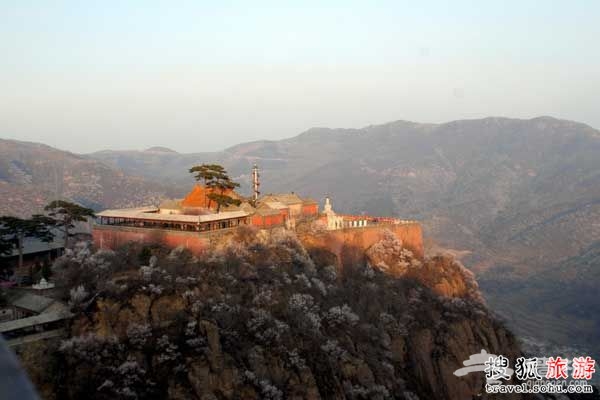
[(568, 289), (156, 165), (518, 197), (33, 174), (159, 149)]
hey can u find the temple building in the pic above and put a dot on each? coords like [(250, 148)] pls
[(197, 213), (174, 220)]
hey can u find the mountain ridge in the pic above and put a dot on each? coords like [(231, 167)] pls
[(33, 174), (516, 195), (311, 130)]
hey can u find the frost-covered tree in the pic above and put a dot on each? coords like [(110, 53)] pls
[(341, 316), (77, 296)]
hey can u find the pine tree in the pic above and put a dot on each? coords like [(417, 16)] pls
[(66, 213), (216, 179)]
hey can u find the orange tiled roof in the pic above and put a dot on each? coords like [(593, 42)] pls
[(198, 197)]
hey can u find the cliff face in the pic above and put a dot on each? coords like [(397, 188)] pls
[(435, 353), (349, 245), (420, 361), (260, 316), (396, 250), (441, 274)]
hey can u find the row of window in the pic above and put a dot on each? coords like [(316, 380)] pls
[(201, 227)]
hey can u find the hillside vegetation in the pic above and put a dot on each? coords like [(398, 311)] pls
[(259, 317)]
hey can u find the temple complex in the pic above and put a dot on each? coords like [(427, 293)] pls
[(191, 221), (197, 213)]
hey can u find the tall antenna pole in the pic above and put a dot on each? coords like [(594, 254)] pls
[(255, 183)]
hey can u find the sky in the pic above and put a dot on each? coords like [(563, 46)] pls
[(201, 76)]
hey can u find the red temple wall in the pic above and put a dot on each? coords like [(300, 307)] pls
[(108, 237), (348, 244), (268, 221), (310, 209)]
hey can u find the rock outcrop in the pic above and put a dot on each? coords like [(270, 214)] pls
[(261, 317)]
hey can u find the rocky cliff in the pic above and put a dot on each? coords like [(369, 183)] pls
[(260, 316), (349, 245)]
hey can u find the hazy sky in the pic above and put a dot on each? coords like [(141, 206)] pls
[(201, 76)]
